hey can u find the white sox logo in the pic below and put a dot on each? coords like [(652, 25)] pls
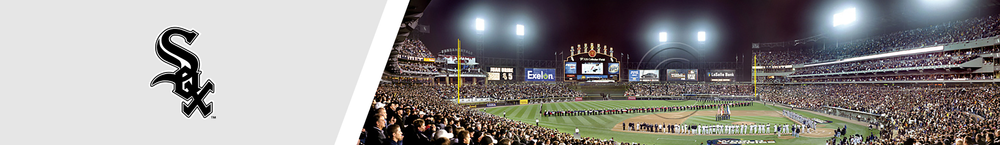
[(185, 78)]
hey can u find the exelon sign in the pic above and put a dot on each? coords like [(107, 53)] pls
[(539, 74)]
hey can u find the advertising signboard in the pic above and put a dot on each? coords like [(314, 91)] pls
[(570, 67), (650, 75), (682, 75), (585, 77), (539, 74), (450, 59), (613, 68), (633, 75), (722, 75)]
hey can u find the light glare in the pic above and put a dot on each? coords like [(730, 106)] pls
[(480, 24), (520, 30), (663, 36), (701, 36), (845, 17)]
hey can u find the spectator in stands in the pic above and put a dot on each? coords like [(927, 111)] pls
[(376, 136), (932, 113), (396, 137), (952, 32)]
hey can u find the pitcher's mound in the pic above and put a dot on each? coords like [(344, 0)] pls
[(743, 123), (786, 137)]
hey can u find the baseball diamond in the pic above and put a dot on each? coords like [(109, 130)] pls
[(611, 125)]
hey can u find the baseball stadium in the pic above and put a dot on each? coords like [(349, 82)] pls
[(523, 72)]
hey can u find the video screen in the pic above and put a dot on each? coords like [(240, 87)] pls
[(682, 75), (593, 68)]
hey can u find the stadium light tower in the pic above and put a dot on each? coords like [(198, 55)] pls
[(480, 27), (480, 24), (845, 17), (520, 43), (663, 37), (520, 30), (701, 36)]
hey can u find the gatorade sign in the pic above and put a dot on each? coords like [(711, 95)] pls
[(539, 74)]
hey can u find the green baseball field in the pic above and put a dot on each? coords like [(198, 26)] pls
[(608, 126)]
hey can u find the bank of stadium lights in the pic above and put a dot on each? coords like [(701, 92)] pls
[(663, 36), (701, 36), (520, 30), (480, 24), (844, 17)]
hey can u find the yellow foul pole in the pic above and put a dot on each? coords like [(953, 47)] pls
[(459, 62), (754, 76)]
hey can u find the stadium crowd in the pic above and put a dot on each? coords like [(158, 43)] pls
[(931, 59), (924, 114), (494, 91), (774, 79), (681, 89), (950, 32), (923, 77), (642, 109), (398, 115), (779, 57), (413, 48), (416, 67)]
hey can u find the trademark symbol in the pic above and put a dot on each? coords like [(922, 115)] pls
[(213, 117)]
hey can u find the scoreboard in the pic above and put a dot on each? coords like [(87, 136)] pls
[(590, 62), (500, 73)]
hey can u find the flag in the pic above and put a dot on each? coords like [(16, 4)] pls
[(727, 110)]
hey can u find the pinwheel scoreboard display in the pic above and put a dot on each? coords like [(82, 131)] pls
[(591, 62)]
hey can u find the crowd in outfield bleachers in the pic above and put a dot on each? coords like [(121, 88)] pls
[(774, 79), (417, 68), (410, 59), (950, 32), (681, 89), (494, 91), (414, 48), (925, 114), (644, 109), (782, 57)]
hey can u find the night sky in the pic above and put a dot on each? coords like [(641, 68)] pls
[(632, 27)]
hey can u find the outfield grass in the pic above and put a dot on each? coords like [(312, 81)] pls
[(600, 126)]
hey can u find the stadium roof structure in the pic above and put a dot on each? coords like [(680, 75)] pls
[(414, 11), (791, 43)]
